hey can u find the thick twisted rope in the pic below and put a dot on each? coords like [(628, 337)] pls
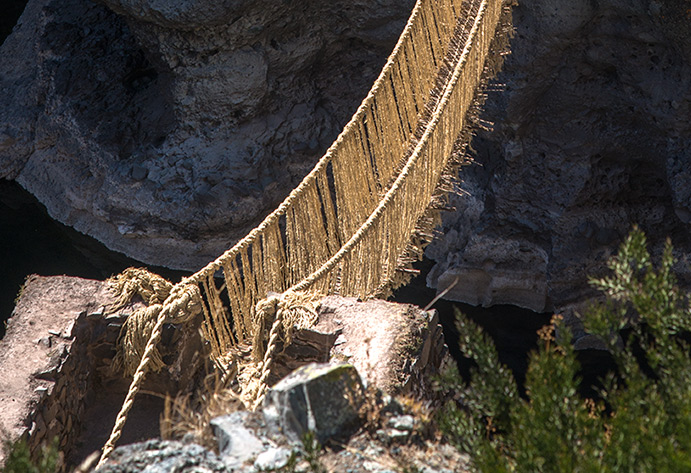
[(137, 329), (286, 312), (247, 254), (183, 300)]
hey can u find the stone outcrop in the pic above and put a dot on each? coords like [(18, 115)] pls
[(166, 130), (591, 135), (320, 398), (325, 399), (46, 371), (58, 379), (395, 347)]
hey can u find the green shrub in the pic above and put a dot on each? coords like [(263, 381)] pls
[(18, 458), (641, 421)]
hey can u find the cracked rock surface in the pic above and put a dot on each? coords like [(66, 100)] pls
[(167, 130), (591, 135)]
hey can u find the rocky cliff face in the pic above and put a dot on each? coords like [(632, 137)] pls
[(591, 135), (168, 129)]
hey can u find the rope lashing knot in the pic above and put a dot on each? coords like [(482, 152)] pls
[(263, 317), (140, 334), (285, 313), (151, 287), (184, 303), (177, 303)]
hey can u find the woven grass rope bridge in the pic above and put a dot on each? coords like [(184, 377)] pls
[(356, 222)]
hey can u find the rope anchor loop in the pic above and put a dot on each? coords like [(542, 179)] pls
[(176, 303), (285, 313)]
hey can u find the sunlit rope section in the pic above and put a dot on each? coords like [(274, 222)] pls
[(347, 228), (346, 186)]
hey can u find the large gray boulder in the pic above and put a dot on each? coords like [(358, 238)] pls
[(167, 129), (238, 443), (591, 135), (320, 398)]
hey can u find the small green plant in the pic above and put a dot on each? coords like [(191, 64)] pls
[(641, 421), (18, 458), (312, 450), (310, 453)]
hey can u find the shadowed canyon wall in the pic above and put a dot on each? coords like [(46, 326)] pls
[(168, 129), (591, 135)]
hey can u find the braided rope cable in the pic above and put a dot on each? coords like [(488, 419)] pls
[(172, 304), (181, 298), (281, 210), (133, 390), (258, 395)]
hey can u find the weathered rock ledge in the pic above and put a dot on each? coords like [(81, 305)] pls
[(58, 381)]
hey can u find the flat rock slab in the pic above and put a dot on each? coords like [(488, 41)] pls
[(391, 345), (37, 334)]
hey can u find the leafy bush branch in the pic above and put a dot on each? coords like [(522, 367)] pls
[(641, 420), (18, 458)]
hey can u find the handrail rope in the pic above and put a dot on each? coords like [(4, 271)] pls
[(383, 205), (384, 202), (323, 161)]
